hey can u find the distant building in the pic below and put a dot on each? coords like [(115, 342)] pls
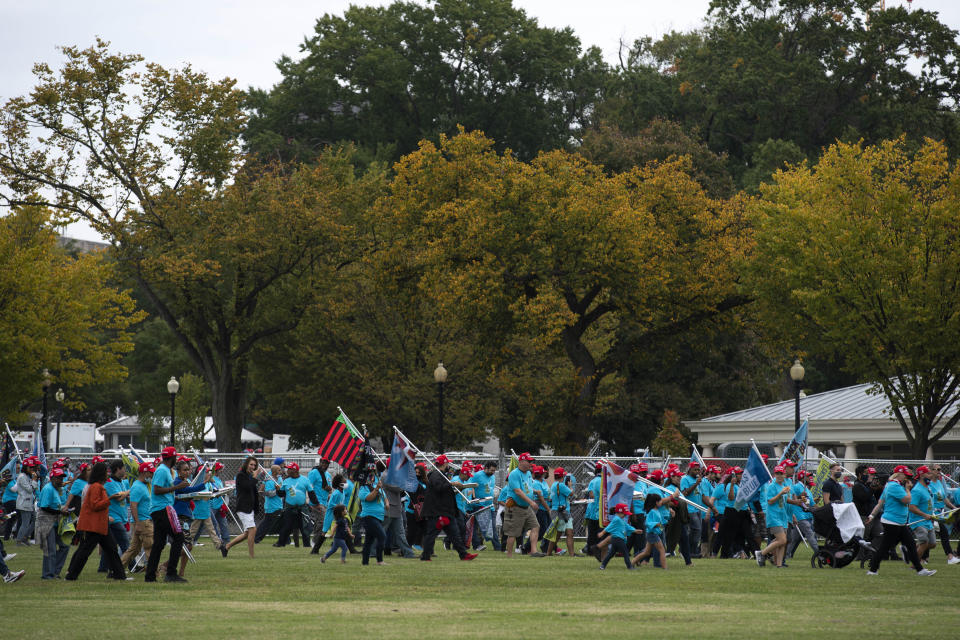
[(81, 246), (126, 431), (852, 422)]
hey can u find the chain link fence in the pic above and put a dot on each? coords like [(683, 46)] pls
[(580, 467)]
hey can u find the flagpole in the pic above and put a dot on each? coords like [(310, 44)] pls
[(430, 462), (801, 535), (769, 475), (680, 497), (829, 459), (13, 442), (364, 432)]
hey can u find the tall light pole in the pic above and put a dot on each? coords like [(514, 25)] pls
[(59, 396), (440, 376), (796, 374), (172, 387), (44, 442)]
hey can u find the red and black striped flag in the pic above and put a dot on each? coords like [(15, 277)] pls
[(342, 443)]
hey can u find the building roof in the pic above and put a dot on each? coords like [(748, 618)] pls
[(131, 424)]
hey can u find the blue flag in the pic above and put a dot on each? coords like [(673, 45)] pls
[(755, 475), (696, 457), (39, 452), (796, 449), (402, 471)]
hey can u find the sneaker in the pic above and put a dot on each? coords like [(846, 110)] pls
[(13, 576), (469, 556), (872, 573), (602, 567), (926, 572), (760, 559), (11, 556), (483, 547), (537, 554), (223, 550), (323, 560), (953, 560), (174, 579)]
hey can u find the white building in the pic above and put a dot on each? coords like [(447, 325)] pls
[(851, 421)]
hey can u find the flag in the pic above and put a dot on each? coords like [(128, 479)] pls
[(342, 442), (819, 477), (8, 456), (353, 503), (401, 471), (616, 486), (796, 449), (39, 452), (552, 533), (755, 475), (696, 457), (130, 464), (514, 463)]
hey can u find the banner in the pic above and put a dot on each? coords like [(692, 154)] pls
[(39, 452), (696, 457), (796, 449), (819, 477), (342, 443), (616, 486), (755, 475), (402, 471)]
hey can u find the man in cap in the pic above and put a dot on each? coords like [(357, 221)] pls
[(865, 500), (521, 508), (592, 514), (485, 479), (273, 507), (894, 504), (50, 507), (162, 496), (141, 532), (9, 501), (922, 520), (801, 520), (440, 511), (690, 487), (707, 488), (941, 502), (775, 495), (320, 480), (296, 490)]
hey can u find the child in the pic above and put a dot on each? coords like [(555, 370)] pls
[(654, 527), (341, 536), (618, 530)]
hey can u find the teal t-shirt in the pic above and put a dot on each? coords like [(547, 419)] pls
[(936, 490), (336, 497), (49, 497), (560, 495), (271, 504), (118, 507), (162, 477), (217, 483), (485, 485), (295, 491), (776, 512), (593, 507), (893, 510), (140, 494), (76, 489), (694, 496), (921, 498), (720, 500), (520, 481), (201, 508), (654, 522), (372, 508), (618, 527), (541, 486), (639, 495), (316, 481)]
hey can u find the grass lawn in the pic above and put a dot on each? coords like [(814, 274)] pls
[(285, 591)]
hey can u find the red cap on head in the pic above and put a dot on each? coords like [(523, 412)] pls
[(56, 472), (674, 473), (801, 474), (779, 469), (217, 466), (293, 465), (168, 452), (923, 469), (597, 466), (737, 470), (634, 468), (656, 474), (421, 464), (83, 465), (59, 464), (764, 456), (525, 456), (622, 509), (466, 468), (96, 459), (183, 458), (789, 463), (145, 467), (871, 470), (559, 472), (441, 460), (693, 465), (902, 468), (643, 466), (673, 465)]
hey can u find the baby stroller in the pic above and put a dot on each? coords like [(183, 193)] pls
[(841, 528)]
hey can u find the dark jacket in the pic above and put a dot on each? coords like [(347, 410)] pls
[(440, 498), (246, 487)]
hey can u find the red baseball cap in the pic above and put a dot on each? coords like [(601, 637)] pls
[(83, 465), (597, 466), (183, 458), (168, 452), (56, 472), (421, 464), (736, 470), (145, 467), (801, 474), (693, 464), (622, 509), (764, 456), (559, 472), (441, 460), (674, 473), (293, 465), (217, 466), (525, 456), (643, 466), (789, 463), (902, 468), (871, 470), (656, 473), (779, 469), (96, 459), (923, 469), (635, 468)]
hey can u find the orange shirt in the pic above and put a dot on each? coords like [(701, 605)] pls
[(93, 512)]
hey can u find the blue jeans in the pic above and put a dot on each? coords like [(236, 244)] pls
[(374, 533), (617, 545), (25, 526), (338, 543), (119, 533), (398, 537), (53, 562), (220, 524)]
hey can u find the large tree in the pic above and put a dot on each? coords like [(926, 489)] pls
[(227, 253), (57, 312), (858, 257), (387, 77)]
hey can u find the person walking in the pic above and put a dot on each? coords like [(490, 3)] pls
[(246, 486), (141, 532), (26, 495), (893, 505), (92, 527), (161, 497), (440, 511), (50, 508), (521, 507), (272, 505)]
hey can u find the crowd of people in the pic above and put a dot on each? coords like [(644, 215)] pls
[(690, 513)]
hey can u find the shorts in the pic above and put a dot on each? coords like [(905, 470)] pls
[(925, 536), (759, 524), (516, 520), (565, 520), (775, 531), (246, 520), (653, 538)]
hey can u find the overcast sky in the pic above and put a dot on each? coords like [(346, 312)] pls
[(243, 38)]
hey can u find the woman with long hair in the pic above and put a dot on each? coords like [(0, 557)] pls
[(246, 487), (93, 527)]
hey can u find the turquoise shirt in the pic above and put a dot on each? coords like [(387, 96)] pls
[(217, 483), (336, 497), (685, 483), (49, 498), (593, 507), (295, 491), (663, 492), (639, 495), (796, 491), (140, 495), (8, 495), (484, 490), (201, 508), (118, 507), (936, 490), (76, 489), (373, 508), (618, 527), (162, 477), (654, 522), (776, 512), (271, 504), (921, 498), (893, 510), (461, 502), (560, 495), (706, 490), (541, 486), (316, 481), (720, 500), (519, 481)]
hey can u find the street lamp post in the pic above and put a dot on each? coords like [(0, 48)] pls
[(59, 396), (43, 429), (172, 387), (440, 376), (796, 374)]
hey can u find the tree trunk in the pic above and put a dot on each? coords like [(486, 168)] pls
[(586, 368), (228, 389)]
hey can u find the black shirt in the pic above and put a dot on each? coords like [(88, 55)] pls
[(246, 492), (440, 498), (832, 488), (864, 499)]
